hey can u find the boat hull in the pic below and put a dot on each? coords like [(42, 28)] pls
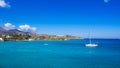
[(91, 45)]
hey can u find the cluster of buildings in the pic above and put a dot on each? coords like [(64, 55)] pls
[(2, 39)]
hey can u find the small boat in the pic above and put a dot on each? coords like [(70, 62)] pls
[(90, 44)]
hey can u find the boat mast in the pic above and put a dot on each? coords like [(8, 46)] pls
[(90, 38)]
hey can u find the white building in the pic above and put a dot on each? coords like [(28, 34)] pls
[(30, 39), (1, 39), (7, 36)]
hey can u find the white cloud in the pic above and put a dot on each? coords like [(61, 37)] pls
[(33, 28), (26, 28), (3, 4), (106, 1), (9, 26)]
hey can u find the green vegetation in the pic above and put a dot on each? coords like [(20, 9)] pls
[(54, 37), (16, 37)]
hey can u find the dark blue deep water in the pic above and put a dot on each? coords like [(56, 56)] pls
[(60, 54)]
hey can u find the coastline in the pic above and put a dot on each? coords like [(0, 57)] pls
[(60, 40)]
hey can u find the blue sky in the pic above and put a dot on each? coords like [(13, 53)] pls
[(74, 17)]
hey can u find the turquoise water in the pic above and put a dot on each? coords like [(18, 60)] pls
[(60, 54)]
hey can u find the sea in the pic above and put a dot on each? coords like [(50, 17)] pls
[(60, 54)]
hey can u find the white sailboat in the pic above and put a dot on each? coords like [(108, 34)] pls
[(90, 44)]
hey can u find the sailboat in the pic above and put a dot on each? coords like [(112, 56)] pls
[(90, 44)]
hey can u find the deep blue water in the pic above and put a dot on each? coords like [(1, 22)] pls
[(60, 54)]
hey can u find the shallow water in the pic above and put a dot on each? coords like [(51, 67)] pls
[(60, 54)]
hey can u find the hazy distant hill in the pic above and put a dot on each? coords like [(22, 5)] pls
[(3, 31), (14, 31)]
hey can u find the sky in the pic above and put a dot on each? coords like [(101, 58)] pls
[(101, 18)]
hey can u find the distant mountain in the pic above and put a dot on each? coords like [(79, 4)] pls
[(3, 31), (14, 31)]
